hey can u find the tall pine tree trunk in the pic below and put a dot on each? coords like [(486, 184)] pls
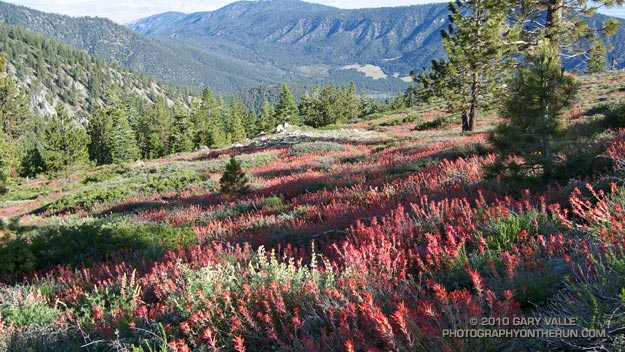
[(555, 8), (475, 93), (469, 117)]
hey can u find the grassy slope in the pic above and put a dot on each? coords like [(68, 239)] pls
[(413, 241)]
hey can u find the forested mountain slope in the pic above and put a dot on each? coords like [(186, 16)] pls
[(49, 72)]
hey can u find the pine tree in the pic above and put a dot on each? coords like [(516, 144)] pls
[(99, 130), (561, 22), (353, 104), (251, 121), (237, 129), (65, 142), (286, 110), (5, 162), (475, 66), (536, 99), (218, 137), (203, 119), (15, 122), (14, 114), (217, 123), (121, 140), (265, 122), (181, 139), (225, 120), (112, 139), (329, 106), (32, 163), (154, 128), (309, 108), (596, 57), (234, 180)]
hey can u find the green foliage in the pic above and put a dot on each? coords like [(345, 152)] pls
[(286, 110), (87, 198), (597, 300), (153, 129), (31, 162), (14, 114), (503, 234), (65, 142), (566, 24), (234, 180), (261, 269), (26, 305), (537, 97), (116, 189), (615, 115), (266, 121), (352, 103), (439, 122), (170, 182), (49, 71), (87, 243), (596, 56), (154, 342), (99, 130), (321, 148), (236, 129), (206, 122), (181, 138), (411, 167), (122, 142), (330, 105), (14, 121), (475, 66), (17, 259), (369, 106), (99, 176), (5, 163), (275, 203)]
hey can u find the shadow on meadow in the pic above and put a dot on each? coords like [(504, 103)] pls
[(286, 190), (82, 245)]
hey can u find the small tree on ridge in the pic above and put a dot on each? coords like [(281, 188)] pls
[(234, 180)]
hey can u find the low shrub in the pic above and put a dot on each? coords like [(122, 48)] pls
[(316, 148), (25, 305), (410, 167), (273, 203), (100, 176), (87, 243), (615, 115), (437, 123)]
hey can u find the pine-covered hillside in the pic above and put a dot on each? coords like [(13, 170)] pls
[(50, 72), (162, 58)]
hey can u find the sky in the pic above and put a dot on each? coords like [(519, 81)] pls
[(124, 11)]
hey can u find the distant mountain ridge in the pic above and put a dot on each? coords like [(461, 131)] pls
[(297, 34), (248, 44), (324, 42), (164, 59)]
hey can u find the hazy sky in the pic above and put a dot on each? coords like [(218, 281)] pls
[(123, 11)]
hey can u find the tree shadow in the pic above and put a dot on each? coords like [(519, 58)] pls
[(85, 244)]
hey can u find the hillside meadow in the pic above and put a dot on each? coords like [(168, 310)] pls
[(381, 235)]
